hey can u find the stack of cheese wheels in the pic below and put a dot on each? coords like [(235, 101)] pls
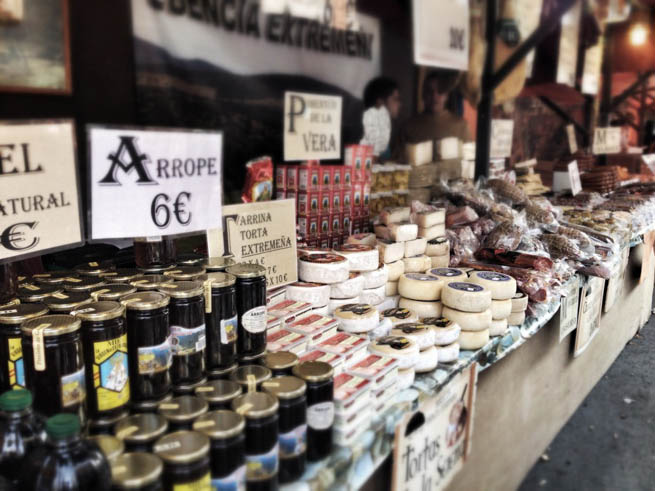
[(420, 293), (316, 294), (362, 259), (398, 316), (357, 318), (446, 337), (469, 306), (400, 348), (423, 335), (519, 305), (502, 288), (438, 250)]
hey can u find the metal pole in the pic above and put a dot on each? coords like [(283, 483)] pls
[(606, 95)]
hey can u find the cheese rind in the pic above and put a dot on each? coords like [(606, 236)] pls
[(415, 247), (472, 340), (315, 293), (390, 251), (391, 288), (500, 309), (356, 318), (323, 268), (401, 348), (349, 288), (445, 330), (421, 308), (502, 286), (498, 327), (417, 286), (426, 219), (466, 297), (395, 215), (519, 302), (440, 261), (421, 333), (417, 264), (469, 321), (427, 360), (449, 353), (395, 270), (398, 316), (360, 257), (448, 274), (438, 230), (516, 319), (437, 247), (364, 239), (335, 303), (373, 296), (377, 278)]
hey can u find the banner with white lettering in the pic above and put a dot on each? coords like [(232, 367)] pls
[(39, 189), (153, 182)]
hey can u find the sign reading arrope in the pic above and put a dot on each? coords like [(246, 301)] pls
[(154, 182), (312, 126), (39, 205)]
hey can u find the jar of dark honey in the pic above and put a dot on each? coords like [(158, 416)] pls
[(120, 275), (221, 374), (139, 432), (221, 321), (84, 284), (182, 411), (154, 251), (34, 293), (217, 264), (185, 273), (150, 282), (53, 277), (250, 377), (93, 268), (280, 362), (137, 471), (112, 292), (186, 460), (8, 282), (219, 394), (66, 302)]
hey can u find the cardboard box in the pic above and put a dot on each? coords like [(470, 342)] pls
[(335, 241), (324, 242), (356, 226), (308, 226), (359, 158), (291, 194), (325, 178), (324, 225), (346, 177), (308, 178), (336, 201), (357, 195), (346, 223), (281, 177), (325, 202), (346, 200), (337, 176), (292, 177), (335, 223), (366, 195), (280, 194), (308, 203)]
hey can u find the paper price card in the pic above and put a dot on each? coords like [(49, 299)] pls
[(502, 131), (591, 301), (568, 311), (607, 140)]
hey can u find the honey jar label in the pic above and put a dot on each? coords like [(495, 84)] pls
[(262, 466), (153, 359), (229, 330), (320, 416), (294, 442), (185, 341), (73, 388), (110, 373), (203, 483), (15, 364), (234, 482), (38, 346), (254, 321)]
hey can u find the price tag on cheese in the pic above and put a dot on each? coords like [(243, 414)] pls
[(573, 143), (574, 178), (502, 131), (607, 140)]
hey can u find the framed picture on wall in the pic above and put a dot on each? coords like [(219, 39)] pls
[(35, 46)]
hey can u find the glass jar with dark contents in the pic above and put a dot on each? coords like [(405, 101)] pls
[(320, 406), (137, 471), (10, 303), (54, 365), (221, 374), (221, 320), (109, 445), (260, 411), (252, 360), (139, 432), (154, 251), (227, 440), (219, 394), (187, 338), (186, 460), (182, 411), (53, 277), (104, 338), (292, 424), (120, 275), (189, 259), (85, 284), (8, 282), (281, 362), (150, 282), (251, 308), (93, 268), (12, 370), (217, 264), (34, 293), (250, 377), (157, 270), (66, 302), (185, 273), (148, 348), (112, 292)]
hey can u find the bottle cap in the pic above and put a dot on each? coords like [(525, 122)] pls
[(62, 425), (15, 400)]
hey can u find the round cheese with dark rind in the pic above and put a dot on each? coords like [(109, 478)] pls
[(402, 348), (445, 331), (466, 296), (323, 268), (357, 317), (421, 333), (427, 360), (448, 274), (501, 286), (399, 315), (419, 286), (519, 302), (360, 257)]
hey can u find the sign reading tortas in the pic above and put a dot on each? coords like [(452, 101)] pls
[(39, 191), (262, 233)]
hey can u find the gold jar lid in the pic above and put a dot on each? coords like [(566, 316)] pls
[(110, 446), (149, 282), (99, 311), (141, 428), (145, 301), (135, 470), (217, 391), (182, 289), (53, 277), (255, 405), (285, 387), (156, 269), (220, 425), (92, 268), (280, 360), (189, 259), (17, 314), (112, 291), (247, 375), (246, 270), (31, 292), (67, 301), (84, 284), (220, 280), (10, 303), (182, 409), (182, 447), (51, 325), (313, 371), (120, 275), (185, 273), (218, 264)]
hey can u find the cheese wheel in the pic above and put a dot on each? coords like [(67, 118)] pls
[(426, 219), (421, 307), (419, 286), (500, 309), (466, 297), (427, 360), (445, 330), (364, 239), (405, 378), (349, 288), (440, 261), (438, 247), (395, 301), (519, 302), (438, 230), (449, 353), (399, 316), (335, 303), (322, 268), (469, 321), (448, 274), (395, 270), (390, 251), (356, 317), (383, 329), (516, 318), (373, 296), (315, 293), (395, 215), (472, 340), (391, 288), (377, 278), (502, 286), (417, 264), (306, 250), (360, 257), (421, 333), (320, 310), (415, 247), (401, 348), (498, 327)]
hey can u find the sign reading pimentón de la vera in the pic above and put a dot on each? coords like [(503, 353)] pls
[(39, 191)]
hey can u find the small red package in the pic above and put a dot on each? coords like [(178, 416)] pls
[(259, 180)]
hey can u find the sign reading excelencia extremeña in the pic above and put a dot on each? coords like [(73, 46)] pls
[(154, 182)]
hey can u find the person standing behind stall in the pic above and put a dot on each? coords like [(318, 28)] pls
[(382, 92)]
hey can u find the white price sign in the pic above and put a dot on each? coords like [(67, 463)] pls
[(573, 142), (441, 33), (502, 132), (607, 140), (649, 160), (568, 311), (154, 182), (312, 126), (591, 301), (574, 178), (39, 192)]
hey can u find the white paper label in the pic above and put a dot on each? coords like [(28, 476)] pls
[(320, 416), (502, 131), (607, 140), (574, 177), (573, 143), (185, 341), (254, 320), (229, 330), (649, 160), (568, 312)]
